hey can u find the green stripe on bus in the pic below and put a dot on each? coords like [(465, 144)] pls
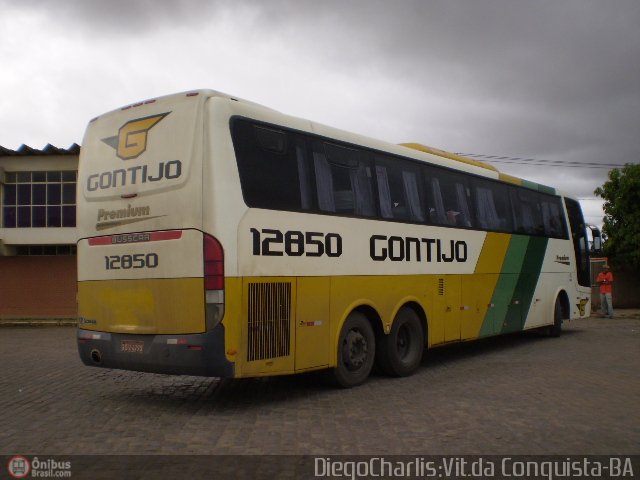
[(539, 187), (526, 284), (514, 290), (505, 286), (545, 189)]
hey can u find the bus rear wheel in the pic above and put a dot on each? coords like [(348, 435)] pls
[(356, 351), (400, 352)]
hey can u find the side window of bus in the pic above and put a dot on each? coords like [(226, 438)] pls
[(448, 198), (399, 192), (305, 175), (552, 217), (527, 212), (268, 164), (492, 205), (343, 180)]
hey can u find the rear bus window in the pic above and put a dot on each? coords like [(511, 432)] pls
[(268, 163)]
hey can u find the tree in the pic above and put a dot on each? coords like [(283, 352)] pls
[(621, 194)]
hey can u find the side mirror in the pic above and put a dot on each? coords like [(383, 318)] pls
[(597, 240)]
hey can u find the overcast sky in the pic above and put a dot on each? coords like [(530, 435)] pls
[(548, 80)]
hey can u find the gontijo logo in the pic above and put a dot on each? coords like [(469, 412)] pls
[(131, 140)]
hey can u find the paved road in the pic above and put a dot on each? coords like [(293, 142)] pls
[(523, 394)]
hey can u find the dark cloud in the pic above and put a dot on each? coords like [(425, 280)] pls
[(540, 78), (545, 79), (129, 17)]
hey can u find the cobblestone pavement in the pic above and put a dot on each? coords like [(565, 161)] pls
[(521, 394)]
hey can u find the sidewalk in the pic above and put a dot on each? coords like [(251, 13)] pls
[(620, 313)]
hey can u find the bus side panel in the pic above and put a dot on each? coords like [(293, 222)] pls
[(232, 320), (477, 309), (313, 323), (384, 295)]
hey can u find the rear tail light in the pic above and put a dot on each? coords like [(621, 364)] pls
[(213, 281), (213, 264)]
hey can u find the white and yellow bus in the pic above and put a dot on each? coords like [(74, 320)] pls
[(222, 238)]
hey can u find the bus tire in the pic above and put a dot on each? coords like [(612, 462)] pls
[(556, 329), (356, 351), (400, 352)]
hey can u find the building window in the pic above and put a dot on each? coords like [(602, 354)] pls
[(39, 199), (31, 250)]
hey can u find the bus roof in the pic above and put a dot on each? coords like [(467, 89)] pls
[(452, 160), (452, 156)]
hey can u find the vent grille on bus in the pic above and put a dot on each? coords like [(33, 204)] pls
[(269, 320), (441, 286)]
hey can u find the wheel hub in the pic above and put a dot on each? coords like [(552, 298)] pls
[(356, 350), (403, 342)]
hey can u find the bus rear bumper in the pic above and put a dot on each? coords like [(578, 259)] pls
[(183, 354)]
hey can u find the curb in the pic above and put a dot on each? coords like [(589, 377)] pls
[(73, 322), (38, 322)]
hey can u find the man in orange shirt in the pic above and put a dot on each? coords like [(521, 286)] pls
[(605, 280)]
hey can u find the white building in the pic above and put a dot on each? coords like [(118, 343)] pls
[(37, 232)]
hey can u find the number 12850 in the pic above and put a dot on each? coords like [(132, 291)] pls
[(125, 262), (293, 243)]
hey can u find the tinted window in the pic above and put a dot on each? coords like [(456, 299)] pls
[(287, 170), (492, 205), (553, 216), (527, 212), (448, 198), (343, 180), (399, 189), (580, 241), (268, 167)]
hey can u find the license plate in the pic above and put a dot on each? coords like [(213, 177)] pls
[(132, 346)]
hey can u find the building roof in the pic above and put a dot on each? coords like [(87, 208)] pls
[(25, 150)]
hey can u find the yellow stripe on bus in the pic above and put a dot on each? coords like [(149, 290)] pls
[(481, 286), (150, 306), (510, 179)]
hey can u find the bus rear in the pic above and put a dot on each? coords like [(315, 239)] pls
[(150, 282)]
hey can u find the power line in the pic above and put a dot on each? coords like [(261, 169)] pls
[(540, 162), (497, 158)]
